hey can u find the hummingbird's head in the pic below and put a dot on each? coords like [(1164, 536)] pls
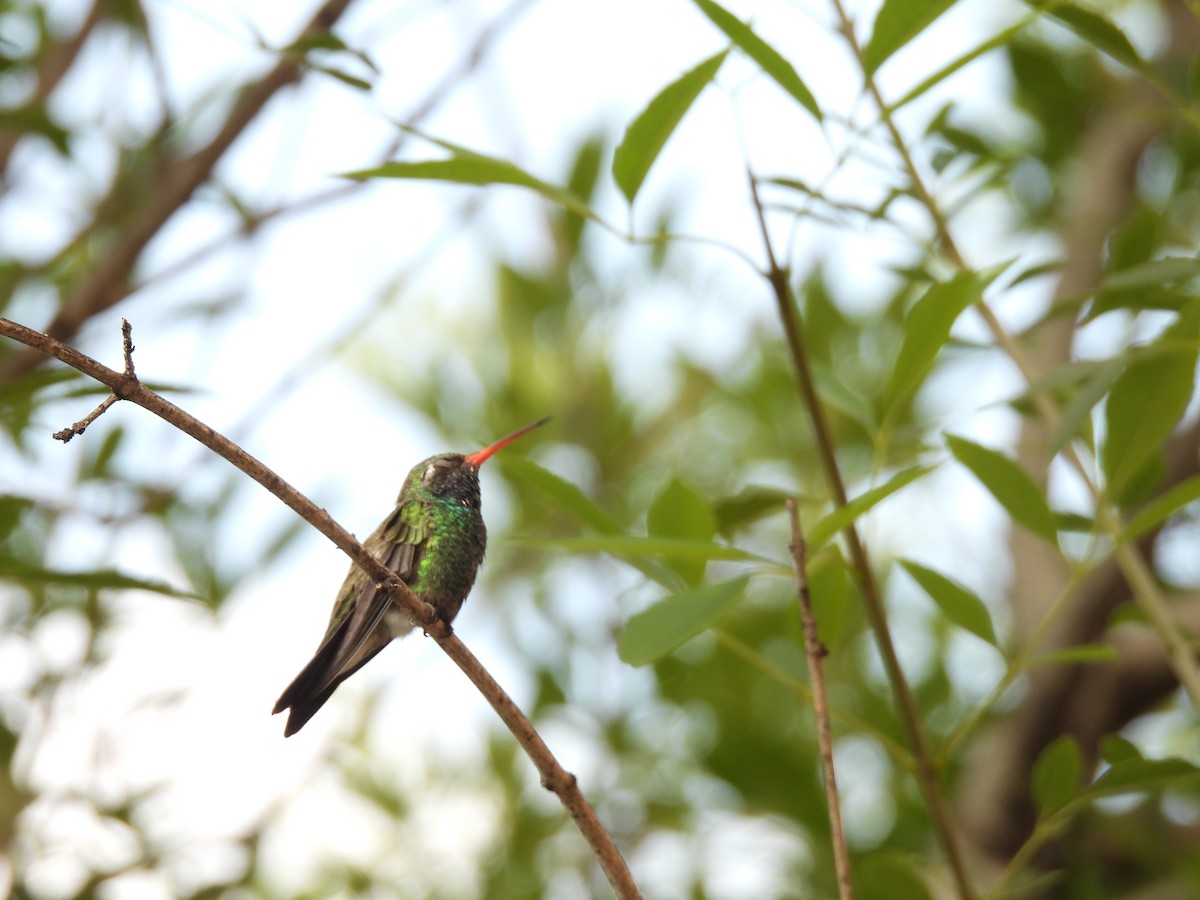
[(448, 476), (455, 477)]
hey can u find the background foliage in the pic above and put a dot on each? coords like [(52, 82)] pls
[(997, 284)]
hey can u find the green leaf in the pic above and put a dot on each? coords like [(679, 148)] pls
[(960, 605), (830, 586), (1008, 483), (1095, 29), (1140, 774), (841, 517), (1081, 653), (1115, 749), (1163, 507), (1079, 407), (898, 22), (679, 511), (1056, 775), (926, 330), (648, 133), (560, 493), (468, 167), (768, 58), (626, 546), (668, 623), (1147, 401), (747, 506), (99, 579)]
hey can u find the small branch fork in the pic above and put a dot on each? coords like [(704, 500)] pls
[(81, 426), (126, 386), (814, 652)]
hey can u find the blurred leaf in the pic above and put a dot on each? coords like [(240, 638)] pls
[(1095, 29), (648, 133), (748, 506), (36, 120), (1166, 283), (1115, 749), (630, 546), (571, 500), (1008, 483), (762, 53), (830, 586), (343, 76), (468, 167), (679, 511), (1162, 508), (960, 605), (926, 330), (1137, 774), (889, 875), (1056, 775), (1147, 401), (1078, 408), (897, 23), (1081, 653), (93, 580), (837, 395), (561, 493), (840, 518), (674, 619), (98, 456)]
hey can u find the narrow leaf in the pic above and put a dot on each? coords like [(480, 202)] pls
[(99, 579), (1161, 508), (1096, 30), (1008, 483), (648, 133), (468, 167), (629, 546), (926, 330), (762, 53), (898, 22), (668, 623), (1056, 775), (748, 506), (1130, 775), (1081, 653), (841, 517), (960, 605), (1147, 401)]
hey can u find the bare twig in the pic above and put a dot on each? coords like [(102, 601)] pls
[(81, 426), (126, 386), (814, 652), (926, 771)]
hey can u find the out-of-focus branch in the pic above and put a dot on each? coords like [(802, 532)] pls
[(176, 181), (55, 63), (126, 386)]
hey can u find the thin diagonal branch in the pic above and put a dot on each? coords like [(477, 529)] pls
[(906, 704), (126, 386)]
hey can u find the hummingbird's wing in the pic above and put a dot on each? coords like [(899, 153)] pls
[(356, 628)]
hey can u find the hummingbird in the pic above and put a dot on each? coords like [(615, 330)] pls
[(434, 539)]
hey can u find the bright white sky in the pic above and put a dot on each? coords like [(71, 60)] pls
[(565, 69)]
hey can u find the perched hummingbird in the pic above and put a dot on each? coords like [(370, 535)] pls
[(434, 540)]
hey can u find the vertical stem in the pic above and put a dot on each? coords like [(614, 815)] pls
[(814, 652)]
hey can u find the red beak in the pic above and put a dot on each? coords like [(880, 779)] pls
[(478, 458)]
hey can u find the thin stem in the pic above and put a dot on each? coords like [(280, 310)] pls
[(554, 777), (926, 772), (814, 652)]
